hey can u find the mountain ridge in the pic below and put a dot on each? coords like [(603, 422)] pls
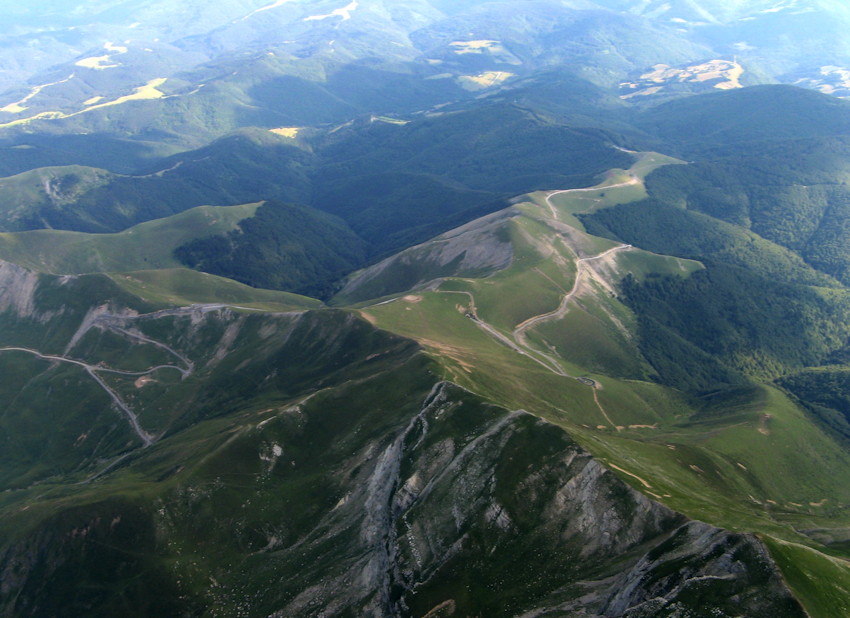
[(555, 371), (413, 448)]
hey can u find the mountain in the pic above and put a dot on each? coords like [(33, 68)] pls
[(224, 387), (576, 339), (282, 247), (398, 447), (781, 174), (392, 183), (664, 362), (758, 114), (187, 75), (309, 249), (230, 171)]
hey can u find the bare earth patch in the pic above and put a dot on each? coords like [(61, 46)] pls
[(727, 73), (146, 92), (344, 13), (98, 63), (143, 381), (616, 467), (473, 47), (456, 354), (482, 81), (290, 132), (446, 608), (369, 318)]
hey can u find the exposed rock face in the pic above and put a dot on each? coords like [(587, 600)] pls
[(521, 491), (17, 289), (719, 571), (473, 511), (473, 249)]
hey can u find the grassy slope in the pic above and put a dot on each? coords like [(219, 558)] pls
[(154, 502), (751, 461), (571, 204), (181, 286), (32, 186), (145, 246), (291, 254)]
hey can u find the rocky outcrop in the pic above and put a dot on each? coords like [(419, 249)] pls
[(475, 249), (523, 515), (702, 568), (17, 290), (470, 510)]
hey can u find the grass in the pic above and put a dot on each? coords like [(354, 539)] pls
[(748, 461), (568, 204), (692, 467), (641, 264), (745, 460), (476, 360), (594, 343), (213, 493), (145, 246), (29, 187), (147, 91), (820, 582), (181, 286)]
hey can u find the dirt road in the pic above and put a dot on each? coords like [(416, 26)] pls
[(519, 331), (146, 438)]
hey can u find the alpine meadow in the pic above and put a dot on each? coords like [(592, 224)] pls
[(425, 308)]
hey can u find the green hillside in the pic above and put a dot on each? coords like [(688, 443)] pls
[(148, 245), (230, 171), (725, 446), (661, 367), (309, 249), (393, 184), (425, 308), (790, 192), (213, 431), (283, 247), (181, 286), (755, 114)]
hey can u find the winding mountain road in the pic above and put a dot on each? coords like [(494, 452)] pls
[(520, 344), (518, 340), (519, 331), (118, 323), (472, 314), (146, 438), (553, 209)]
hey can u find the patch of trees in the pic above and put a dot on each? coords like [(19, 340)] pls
[(721, 324), (826, 394), (790, 192), (283, 247), (663, 228)]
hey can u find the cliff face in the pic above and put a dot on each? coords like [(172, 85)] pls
[(17, 289), (513, 518)]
